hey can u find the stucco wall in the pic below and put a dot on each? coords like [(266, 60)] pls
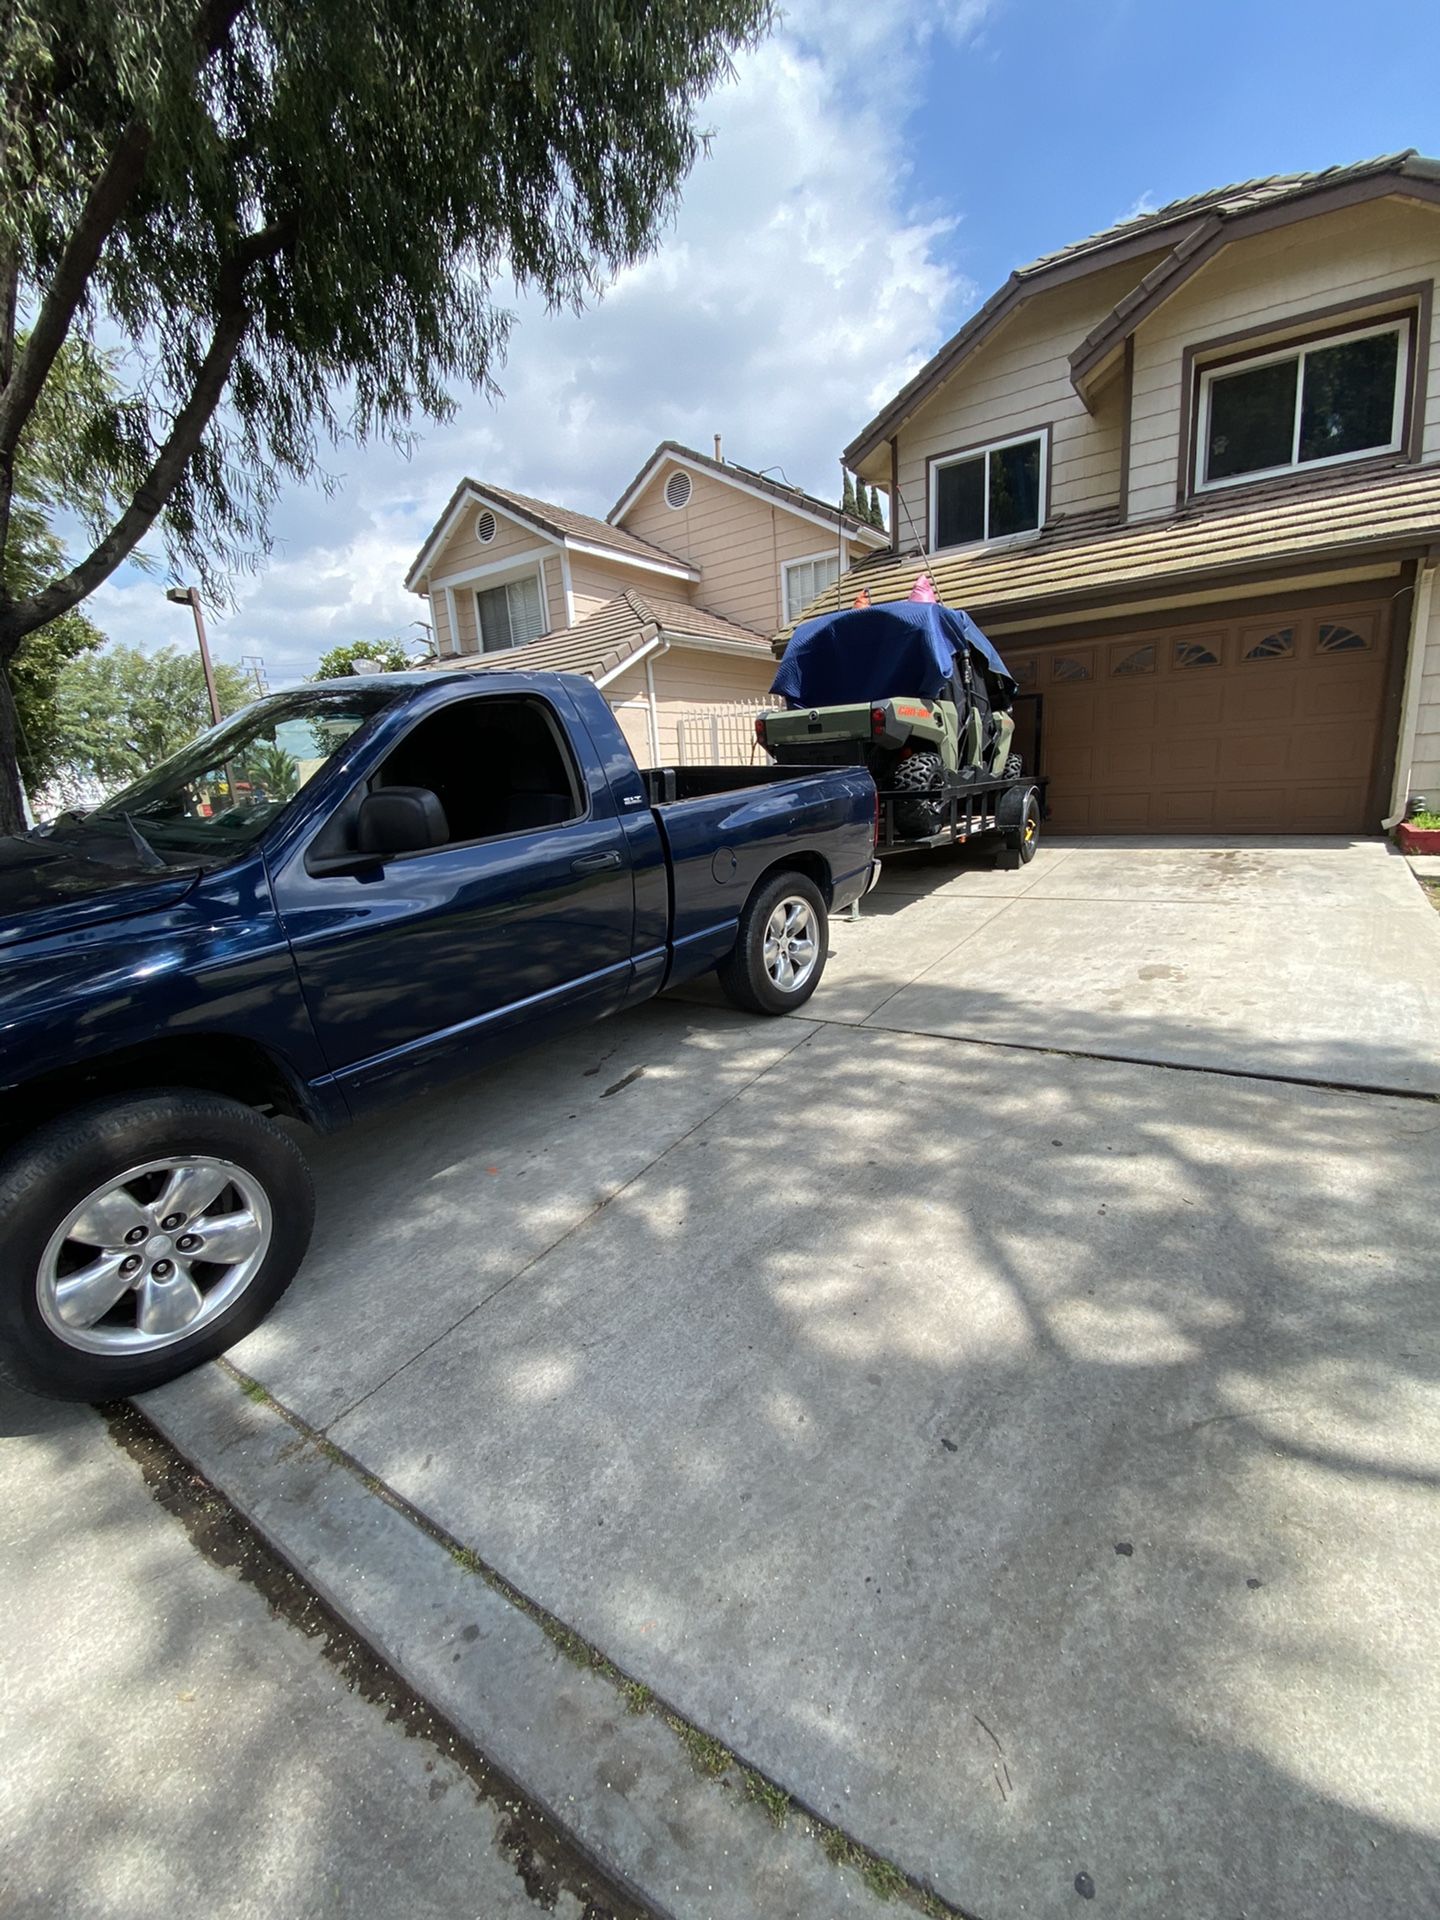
[(1334, 258)]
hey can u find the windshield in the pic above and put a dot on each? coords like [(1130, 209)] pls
[(219, 793)]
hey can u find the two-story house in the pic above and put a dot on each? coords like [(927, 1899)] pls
[(668, 604), (1186, 474)]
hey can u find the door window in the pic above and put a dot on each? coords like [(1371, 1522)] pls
[(496, 766)]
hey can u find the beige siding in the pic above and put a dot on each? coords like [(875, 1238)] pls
[(688, 680), (1354, 255), (1425, 760), (737, 540), (463, 553), (1018, 381), (595, 582)]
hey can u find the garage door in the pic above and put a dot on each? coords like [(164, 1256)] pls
[(1269, 723)]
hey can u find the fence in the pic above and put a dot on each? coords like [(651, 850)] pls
[(718, 735)]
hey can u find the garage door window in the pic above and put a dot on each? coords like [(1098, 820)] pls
[(1335, 639), (1277, 644), (1128, 660), (1194, 653), (1333, 400)]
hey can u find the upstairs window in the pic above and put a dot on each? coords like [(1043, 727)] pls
[(509, 615), (804, 579), (1337, 399), (990, 493)]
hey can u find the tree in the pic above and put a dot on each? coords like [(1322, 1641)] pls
[(876, 516), (121, 711), (389, 655), (301, 208), (847, 499)]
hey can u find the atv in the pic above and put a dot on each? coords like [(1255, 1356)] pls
[(915, 693)]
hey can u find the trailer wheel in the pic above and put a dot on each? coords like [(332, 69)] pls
[(780, 946), (144, 1234), (1018, 817), (923, 777)]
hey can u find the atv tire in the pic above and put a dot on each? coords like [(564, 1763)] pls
[(922, 779), (1014, 767)]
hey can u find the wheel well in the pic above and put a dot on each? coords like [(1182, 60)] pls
[(813, 865), (208, 1063)]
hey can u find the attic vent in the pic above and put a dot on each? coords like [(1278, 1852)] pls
[(485, 528), (677, 490)]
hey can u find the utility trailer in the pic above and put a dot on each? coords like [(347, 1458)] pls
[(913, 692), (1011, 807)]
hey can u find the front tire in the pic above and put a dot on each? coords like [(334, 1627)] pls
[(141, 1236), (780, 947)]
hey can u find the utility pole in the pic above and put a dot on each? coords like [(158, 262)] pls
[(188, 597)]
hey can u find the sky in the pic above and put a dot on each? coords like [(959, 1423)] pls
[(875, 172)]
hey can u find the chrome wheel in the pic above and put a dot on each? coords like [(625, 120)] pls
[(792, 943), (154, 1255)]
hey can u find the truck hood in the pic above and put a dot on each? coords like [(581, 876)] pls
[(51, 886)]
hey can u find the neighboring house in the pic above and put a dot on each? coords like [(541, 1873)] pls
[(1186, 474), (668, 604)]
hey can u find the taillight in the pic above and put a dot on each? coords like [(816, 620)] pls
[(877, 721)]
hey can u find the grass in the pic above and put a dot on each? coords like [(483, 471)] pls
[(766, 1794), (707, 1755)]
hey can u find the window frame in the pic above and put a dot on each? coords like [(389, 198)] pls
[(535, 572), (804, 560), (1401, 324), (957, 456)]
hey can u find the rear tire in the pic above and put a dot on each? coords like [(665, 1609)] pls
[(1018, 817), (1014, 767), (922, 778), (80, 1206), (780, 946)]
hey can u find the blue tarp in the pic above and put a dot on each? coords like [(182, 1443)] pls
[(882, 653)]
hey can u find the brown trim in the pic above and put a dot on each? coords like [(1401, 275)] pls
[(1193, 580), (1044, 431), (1187, 259), (1253, 606), (1411, 302), (1020, 287), (1127, 410), (1383, 772), (894, 493), (1076, 262)]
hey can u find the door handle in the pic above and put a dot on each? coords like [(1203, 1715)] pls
[(595, 862)]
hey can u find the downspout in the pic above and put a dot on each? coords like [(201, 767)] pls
[(1410, 700), (650, 701)]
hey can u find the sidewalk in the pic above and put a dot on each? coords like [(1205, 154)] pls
[(179, 1736)]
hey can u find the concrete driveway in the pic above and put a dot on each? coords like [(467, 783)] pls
[(1000, 1406)]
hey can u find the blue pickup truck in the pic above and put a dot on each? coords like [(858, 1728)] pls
[(339, 898)]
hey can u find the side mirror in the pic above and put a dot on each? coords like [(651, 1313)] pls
[(397, 820)]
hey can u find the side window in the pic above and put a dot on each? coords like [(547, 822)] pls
[(496, 766)]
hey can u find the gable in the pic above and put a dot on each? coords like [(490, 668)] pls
[(463, 552)]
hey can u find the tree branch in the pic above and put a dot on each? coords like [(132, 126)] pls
[(168, 467), (104, 204)]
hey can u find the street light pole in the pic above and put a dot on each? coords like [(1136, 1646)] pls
[(188, 597)]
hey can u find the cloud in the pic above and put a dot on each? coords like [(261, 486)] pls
[(1145, 203), (795, 290)]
